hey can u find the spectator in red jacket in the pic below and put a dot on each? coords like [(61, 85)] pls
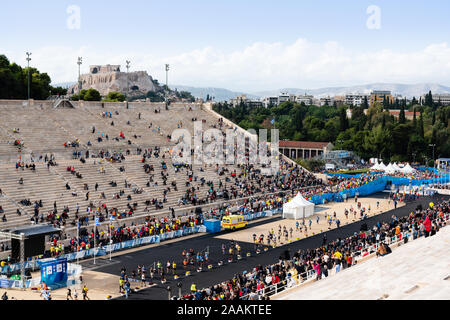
[(427, 226)]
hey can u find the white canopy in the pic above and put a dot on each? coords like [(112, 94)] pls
[(389, 168), (298, 208), (408, 169), (396, 167), (376, 166), (382, 166)]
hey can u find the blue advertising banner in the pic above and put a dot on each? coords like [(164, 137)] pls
[(54, 273)]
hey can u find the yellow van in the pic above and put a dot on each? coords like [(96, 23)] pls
[(233, 222)]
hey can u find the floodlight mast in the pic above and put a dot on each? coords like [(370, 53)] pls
[(29, 74), (128, 79), (79, 62), (167, 85)]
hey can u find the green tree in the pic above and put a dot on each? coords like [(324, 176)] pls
[(420, 128), (298, 113), (343, 121), (92, 95), (401, 117), (58, 91), (14, 82), (115, 96)]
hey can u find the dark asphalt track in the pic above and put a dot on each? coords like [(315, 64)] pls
[(217, 275)]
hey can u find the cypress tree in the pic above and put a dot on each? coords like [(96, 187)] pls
[(343, 121), (401, 117), (421, 131), (365, 104)]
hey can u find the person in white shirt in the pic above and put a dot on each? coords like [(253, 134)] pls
[(268, 279)]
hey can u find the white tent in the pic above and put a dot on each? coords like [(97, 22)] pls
[(389, 168), (396, 167), (408, 169), (298, 208), (376, 166), (382, 166)]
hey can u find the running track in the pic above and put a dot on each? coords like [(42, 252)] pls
[(217, 275)]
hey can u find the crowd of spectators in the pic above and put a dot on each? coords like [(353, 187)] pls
[(332, 256)]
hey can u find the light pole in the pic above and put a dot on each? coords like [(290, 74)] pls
[(128, 80), (167, 86), (434, 161), (78, 240), (79, 62), (179, 285), (111, 219), (29, 75)]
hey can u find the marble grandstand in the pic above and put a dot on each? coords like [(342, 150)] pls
[(417, 270), (44, 131)]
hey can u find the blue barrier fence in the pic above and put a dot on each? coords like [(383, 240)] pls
[(428, 169), (253, 216), (376, 186), (72, 270), (101, 251), (367, 189)]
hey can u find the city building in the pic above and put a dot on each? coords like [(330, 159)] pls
[(270, 101), (304, 149), (255, 103), (284, 97), (306, 99), (444, 99), (356, 99), (326, 101), (246, 101), (238, 100), (380, 96), (338, 100)]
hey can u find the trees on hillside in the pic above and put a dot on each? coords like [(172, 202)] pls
[(14, 82), (87, 95), (374, 134), (115, 96)]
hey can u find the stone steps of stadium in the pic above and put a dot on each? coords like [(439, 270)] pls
[(45, 130)]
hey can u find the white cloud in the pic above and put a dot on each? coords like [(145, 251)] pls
[(261, 66)]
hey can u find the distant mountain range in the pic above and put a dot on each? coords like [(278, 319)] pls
[(405, 90), (64, 84), (221, 94)]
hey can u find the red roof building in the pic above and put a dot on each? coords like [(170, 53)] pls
[(304, 149)]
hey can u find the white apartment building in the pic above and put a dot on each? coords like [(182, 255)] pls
[(306, 99), (270, 101), (243, 99), (284, 97), (325, 101), (238, 100), (356, 99), (444, 98)]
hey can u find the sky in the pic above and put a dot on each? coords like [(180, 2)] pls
[(242, 45)]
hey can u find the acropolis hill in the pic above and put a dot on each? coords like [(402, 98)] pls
[(109, 78)]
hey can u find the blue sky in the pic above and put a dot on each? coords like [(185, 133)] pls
[(223, 43)]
